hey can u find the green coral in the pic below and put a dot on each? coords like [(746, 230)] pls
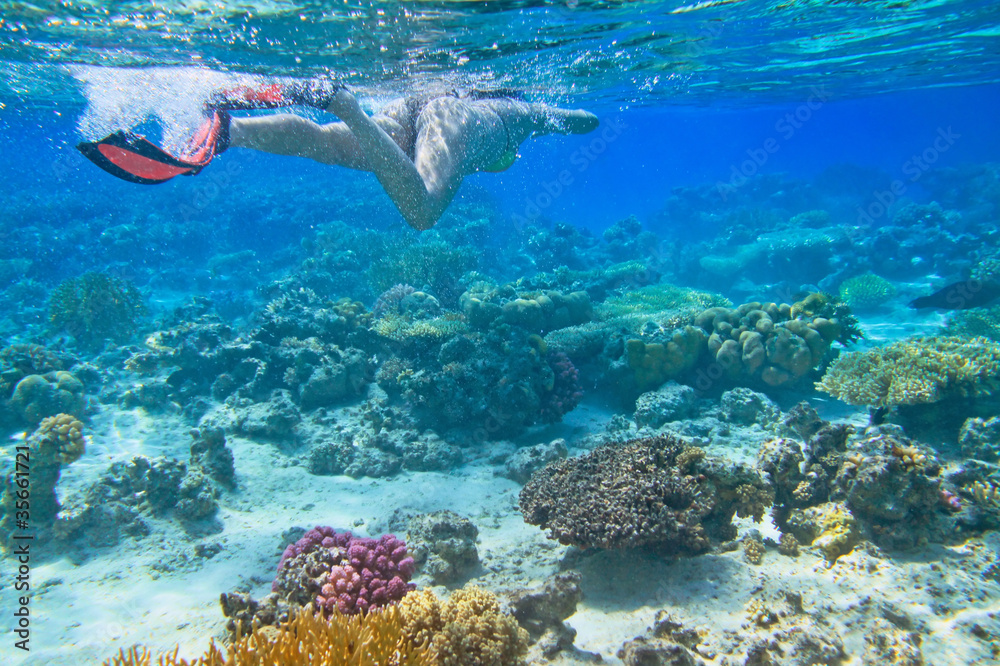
[(545, 310), (755, 343), (917, 371), (404, 329), (434, 264), (96, 307), (866, 291), (657, 298), (977, 322), (654, 363)]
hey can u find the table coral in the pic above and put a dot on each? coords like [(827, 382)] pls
[(639, 493), (915, 371)]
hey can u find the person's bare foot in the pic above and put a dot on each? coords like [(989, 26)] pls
[(579, 121)]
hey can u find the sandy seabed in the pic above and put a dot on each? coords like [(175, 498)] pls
[(157, 591)]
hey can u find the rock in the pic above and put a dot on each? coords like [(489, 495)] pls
[(542, 612), (210, 453), (980, 439), (745, 407), (443, 546), (272, 420), (671, 402), (524, 462), (641, 651), (888, 644)]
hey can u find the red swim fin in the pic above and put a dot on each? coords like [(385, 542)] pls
[(134, 158), (317, 93)]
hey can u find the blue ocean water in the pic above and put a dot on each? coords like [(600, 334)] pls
[(776, 164)]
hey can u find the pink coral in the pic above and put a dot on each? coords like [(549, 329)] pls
[(368, 572), (566, 390)]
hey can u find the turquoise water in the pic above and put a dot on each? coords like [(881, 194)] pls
[(366, 375)]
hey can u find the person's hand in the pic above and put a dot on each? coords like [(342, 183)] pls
[(580, 122), (344, 105)]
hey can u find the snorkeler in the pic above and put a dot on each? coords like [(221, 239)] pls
[(419, 148)]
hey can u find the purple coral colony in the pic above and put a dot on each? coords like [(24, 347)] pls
[(723, 422)]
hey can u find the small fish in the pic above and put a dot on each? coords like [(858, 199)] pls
[(961, 296)]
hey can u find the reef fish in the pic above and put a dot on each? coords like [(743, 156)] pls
[(960, 296)]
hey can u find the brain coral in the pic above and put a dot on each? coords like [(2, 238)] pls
[(645, 492), (921, 370)]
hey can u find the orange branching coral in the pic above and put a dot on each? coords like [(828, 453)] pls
[(374, 639)]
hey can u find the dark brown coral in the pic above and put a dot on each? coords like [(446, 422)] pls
[(636, 494)]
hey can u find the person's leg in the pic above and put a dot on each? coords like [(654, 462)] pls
[(421, 187), (286, 134)]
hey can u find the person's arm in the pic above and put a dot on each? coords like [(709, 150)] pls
[(525, 120)]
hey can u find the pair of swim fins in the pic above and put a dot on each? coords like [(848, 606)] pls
[(134, 158)]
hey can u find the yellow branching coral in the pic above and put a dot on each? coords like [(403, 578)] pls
[(62, 436), (911, 372), (467, 630), (374, 639)]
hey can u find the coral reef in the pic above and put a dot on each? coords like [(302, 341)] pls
[(875, 485), (96, 307), (646, 492), (434, 266), (210, 453), (301, 353), (654, 363), (804, 254), (742, 406), (829, 526), (915, 371), (118, 503), (758, 345), (564, 392), (57, 441), (490, 385), (539, 312)]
